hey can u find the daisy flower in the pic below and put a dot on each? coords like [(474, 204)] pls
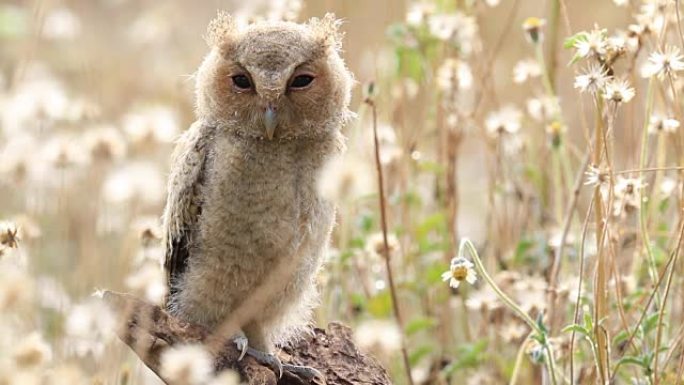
[(461, 269)]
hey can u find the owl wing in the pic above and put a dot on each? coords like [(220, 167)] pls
[(183, 204)]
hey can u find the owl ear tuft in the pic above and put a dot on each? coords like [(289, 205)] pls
[(220, 29), (328, 29)]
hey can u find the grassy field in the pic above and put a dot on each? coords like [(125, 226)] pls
[(532, 156)]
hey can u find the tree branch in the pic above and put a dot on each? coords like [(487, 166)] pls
[(149, 331)]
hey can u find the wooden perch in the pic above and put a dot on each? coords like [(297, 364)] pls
[(149, 331)]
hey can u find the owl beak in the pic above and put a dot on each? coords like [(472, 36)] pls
[(270, 121)]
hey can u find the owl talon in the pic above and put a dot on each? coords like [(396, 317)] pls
[(242, 344), (307, 372), (268, 359)]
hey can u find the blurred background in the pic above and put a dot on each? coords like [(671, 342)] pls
[(482, 134)]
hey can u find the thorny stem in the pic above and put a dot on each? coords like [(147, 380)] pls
[(383, 222), (467, 245)]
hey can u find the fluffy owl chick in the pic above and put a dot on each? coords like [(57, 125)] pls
[(245, 227)]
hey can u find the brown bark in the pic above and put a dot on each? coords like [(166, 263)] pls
[(149, 330)]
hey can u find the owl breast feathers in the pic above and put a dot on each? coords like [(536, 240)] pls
[(245, 227)]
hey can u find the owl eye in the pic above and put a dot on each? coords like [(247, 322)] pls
[(301, 81), (242, 82)]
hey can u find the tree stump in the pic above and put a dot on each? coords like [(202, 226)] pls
[(149, 331)]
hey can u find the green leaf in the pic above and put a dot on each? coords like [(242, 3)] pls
[(571, 41), (13, 21), (469, 356), (419, 353), (632, 360), (621, 337), (649, 324), (576, 328), (380, 305), (419, 324)]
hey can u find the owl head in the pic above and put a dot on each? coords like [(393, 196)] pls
[(274, 80)]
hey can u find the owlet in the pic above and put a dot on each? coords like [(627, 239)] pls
[(245, 226)]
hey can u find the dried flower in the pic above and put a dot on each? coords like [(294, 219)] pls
[(375, 244), (664, 63), (454, 75), (379, 335), (461, 269), (187, 365), (596, 176), (504, 121), (543, 108), (591, 44), (150, 281), (32, 352), (593, 79), (8, 235), (658, 124), (61, 24), (618, 91), (226, 377), (526, 69)]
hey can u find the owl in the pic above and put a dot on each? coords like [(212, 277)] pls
[(245, 228)]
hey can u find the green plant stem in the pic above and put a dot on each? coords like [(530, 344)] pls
[(518, 361), (643, 225), (467, 245)]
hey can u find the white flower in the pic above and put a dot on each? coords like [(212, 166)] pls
[(135, 181), (668, 186), (379, 335), (592, 44), (226, 377), (149, 280), (628, 186), (506, 120), (456, 28), (662, 63), (347, 177), (32, 352), (418, 12), (454, 75), (89, 325), (658, 124), (187, 365), (543, 108), (618, 91), (526, 69), (595, 176), (593, 79), (155, 123), (60, 24), (460, 269), (375, 244)]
